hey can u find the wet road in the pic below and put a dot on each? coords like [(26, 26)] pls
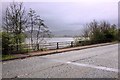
[(97, 62)]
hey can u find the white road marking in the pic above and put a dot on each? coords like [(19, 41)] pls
[(87, 65), (93, 66)]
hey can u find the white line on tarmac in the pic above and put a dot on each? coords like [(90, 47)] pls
[(87, 65), (93, 66)]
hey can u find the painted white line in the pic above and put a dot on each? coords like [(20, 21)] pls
[(87, 65), (93, 66)]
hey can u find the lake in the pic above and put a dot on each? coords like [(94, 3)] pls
[(51, 43), (52, 40)]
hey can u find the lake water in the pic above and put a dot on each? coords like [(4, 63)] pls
[(52, 40), (51, 43)]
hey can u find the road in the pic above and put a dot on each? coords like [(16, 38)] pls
[(97, 62)]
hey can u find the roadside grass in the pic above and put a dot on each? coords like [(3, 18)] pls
[(8, 56), (4, 57), (26, 50)]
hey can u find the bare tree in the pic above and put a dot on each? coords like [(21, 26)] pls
[(15, 21), (31, 23), (37, 24), (100, 31), (86, 31), (42, 31)]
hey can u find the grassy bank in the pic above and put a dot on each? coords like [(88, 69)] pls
[(4, 57)]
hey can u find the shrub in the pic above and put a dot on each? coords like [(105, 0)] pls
[(9, 44), (99, 33)]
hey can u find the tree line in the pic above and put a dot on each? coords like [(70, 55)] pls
[(99, 32), (16, 21)]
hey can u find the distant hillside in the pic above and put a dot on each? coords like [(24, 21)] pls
[(34, 33), (62, 33), (67, 33)]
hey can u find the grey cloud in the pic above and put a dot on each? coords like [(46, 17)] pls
[(70, 16)]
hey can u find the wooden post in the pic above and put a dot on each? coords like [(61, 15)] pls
[(11, 51), (27, 47), (71, 43), (10, 48), (37, 46), (57, 45)]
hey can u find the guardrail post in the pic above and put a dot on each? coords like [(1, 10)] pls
[(27, 47), (71, 43), (57, 45), (10, 49), (37, 46)]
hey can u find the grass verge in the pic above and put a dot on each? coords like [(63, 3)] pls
[(4, 57)]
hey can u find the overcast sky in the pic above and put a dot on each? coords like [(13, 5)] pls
[(74, 15)]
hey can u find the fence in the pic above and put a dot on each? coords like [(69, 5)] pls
[(24, 48)]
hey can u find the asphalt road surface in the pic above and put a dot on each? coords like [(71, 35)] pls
[(97, 62)]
